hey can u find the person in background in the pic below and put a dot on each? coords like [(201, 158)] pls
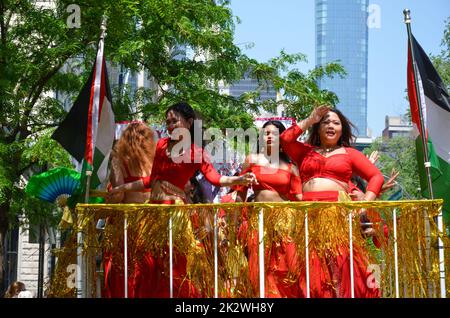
[(14, 289), (25, 294)]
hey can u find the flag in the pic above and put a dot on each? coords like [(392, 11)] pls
[(436, 120), (87, 132)]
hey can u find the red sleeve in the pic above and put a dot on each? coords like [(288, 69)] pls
[(296, 150), (209, 171), (157, 161), (367, 170)]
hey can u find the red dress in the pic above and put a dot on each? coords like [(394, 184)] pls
[(114, 272), (330, 276), (282, 255), (151, 280)]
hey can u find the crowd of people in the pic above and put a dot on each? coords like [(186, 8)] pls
[(323, 168)]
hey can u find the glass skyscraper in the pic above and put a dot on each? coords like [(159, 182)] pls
[(342, 36), (248, 84)]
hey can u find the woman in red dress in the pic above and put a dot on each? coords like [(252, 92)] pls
[(278, 181), (131, 160), (177, 158), (326, 165)]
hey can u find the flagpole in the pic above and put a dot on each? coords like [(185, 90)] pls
[(83, 273), (427, 163)]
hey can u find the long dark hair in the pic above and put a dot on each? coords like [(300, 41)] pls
[(187, 112), (283, 156), (346, 138)]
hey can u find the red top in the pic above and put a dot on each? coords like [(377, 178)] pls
[(339, 166), (279, 180), (179, 172), (129, 178)]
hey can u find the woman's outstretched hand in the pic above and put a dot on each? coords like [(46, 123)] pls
[(374, 156), (391, 181), (248, 179)]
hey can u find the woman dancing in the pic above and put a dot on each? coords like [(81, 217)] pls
[(277, 182), (327, 163), (173, 166)]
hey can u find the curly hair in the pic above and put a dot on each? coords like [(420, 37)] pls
[(136, 147)]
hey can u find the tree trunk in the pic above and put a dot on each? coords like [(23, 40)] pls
[(3, 231)]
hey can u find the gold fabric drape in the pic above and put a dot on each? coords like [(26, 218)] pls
[(193, 236)]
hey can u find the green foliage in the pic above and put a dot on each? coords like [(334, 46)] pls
[(398, 153), (301, 92), (40, 149), (442, 65), (41, 55), (442, 61)]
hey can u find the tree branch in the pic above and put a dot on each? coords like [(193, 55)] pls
[(32, 99)]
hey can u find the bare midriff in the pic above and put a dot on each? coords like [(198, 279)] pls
[(324, 184), (267, 196)]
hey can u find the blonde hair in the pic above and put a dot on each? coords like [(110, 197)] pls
[(136, 147), (14, 289)]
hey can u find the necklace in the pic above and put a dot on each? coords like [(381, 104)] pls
[(327, 150)]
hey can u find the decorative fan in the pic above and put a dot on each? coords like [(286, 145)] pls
[(54, 185)]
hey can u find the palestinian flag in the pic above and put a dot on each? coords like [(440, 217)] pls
[(436, 119), (87, 132)]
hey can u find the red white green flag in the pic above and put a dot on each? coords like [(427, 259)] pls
[(435, 103), (87, 132)]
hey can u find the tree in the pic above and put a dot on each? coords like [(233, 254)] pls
[(36, 42), (398, 153), (442, 61)]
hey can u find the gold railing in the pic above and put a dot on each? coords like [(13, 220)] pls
[(412, 258)]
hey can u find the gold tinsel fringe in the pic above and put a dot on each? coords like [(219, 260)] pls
[(193, 236)]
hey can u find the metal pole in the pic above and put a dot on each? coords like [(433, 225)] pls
[(394, 220), (352, 282), (441, 255), (308, 291), (125, 254), (427, 163), (170, 257), (428, 251), (261, 254), (216, 269), (81, 261)]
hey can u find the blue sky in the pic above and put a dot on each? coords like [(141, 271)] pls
[(272, 25)]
